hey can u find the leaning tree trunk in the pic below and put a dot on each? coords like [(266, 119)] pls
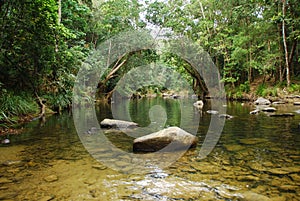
[(287, 65)]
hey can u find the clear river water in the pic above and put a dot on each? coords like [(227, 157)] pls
[(256, 158)]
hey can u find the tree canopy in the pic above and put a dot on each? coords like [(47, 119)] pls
[(44, 42)]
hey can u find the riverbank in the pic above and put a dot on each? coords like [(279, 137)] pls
[(12, 125)]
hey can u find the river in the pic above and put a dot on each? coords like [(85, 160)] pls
[(256, 158)]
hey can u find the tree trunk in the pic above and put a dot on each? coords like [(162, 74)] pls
[(287, 65), (59, 11)]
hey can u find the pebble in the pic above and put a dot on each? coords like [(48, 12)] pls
[(51, 178)]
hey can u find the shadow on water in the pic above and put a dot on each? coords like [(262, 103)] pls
[(256, 158)]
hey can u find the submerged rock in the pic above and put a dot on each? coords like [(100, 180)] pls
[(51, 178), (158, 140), (262, 101), (113, 123)]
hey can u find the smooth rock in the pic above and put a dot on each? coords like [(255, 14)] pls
[(212, 112), (269, 109), (156, 141), (51, 178), (112, 123), (5, 141), (226, 116), (296, 103), (198, 104), (254, 111), (278, 103), (262, 101)]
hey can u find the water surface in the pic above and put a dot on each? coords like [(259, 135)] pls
[(256, 158)]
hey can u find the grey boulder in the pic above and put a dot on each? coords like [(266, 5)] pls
[(113, 123), (262, 101), (175, 137)]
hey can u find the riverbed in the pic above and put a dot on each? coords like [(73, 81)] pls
[(256, 158)]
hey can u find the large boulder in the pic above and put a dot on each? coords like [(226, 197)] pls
[(179, 138), (113, 123), (262, 101)]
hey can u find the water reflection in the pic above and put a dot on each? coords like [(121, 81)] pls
[(257, 158)]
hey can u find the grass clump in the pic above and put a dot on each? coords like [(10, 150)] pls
[(13, 105)]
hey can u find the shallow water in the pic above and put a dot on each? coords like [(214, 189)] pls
[(256, 158)]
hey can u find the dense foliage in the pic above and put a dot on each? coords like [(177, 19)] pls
[(43, 42)]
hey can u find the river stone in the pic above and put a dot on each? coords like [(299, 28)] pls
[(278, 103), (226, 116), (269, 109), (51, 178), (251, 196), (198, 104), (256, 111), (156, 141), (262, 101), (113, 123), (212, 112), (282, 115)]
